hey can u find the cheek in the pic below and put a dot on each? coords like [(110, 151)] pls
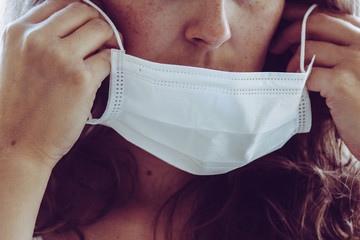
[(264, 29), (256, 31), (270, 14), (134, 19)]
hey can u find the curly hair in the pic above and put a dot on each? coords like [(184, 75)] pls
[(308, 189)]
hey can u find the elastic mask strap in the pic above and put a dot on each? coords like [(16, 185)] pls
[(112, 25), (303, 39)]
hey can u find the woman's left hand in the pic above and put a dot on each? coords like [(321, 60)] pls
[(335, 40)]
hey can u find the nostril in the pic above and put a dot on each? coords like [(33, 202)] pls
[(211, 35), (197, 39)]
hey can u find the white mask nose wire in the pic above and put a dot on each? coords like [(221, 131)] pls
[(112, 25), (303, 38)]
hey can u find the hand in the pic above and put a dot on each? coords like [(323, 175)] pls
[(49, 74), (335, 40)]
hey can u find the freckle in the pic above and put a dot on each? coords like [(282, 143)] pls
[(149, 173), (13, 142)]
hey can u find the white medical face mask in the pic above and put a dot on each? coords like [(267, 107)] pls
[(204, 121)]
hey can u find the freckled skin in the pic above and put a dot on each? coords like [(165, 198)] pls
[(227, 35)]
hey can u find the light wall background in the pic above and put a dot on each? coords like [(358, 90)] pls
[(2, 6)]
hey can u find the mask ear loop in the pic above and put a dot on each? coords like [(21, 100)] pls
[(303, 39), (112, 25), (90, 119)]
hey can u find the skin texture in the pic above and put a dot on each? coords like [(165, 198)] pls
[(334, 39), (45, 97), (210, 34), (49, 75)]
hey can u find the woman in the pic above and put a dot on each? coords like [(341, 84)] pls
[(55, 58)]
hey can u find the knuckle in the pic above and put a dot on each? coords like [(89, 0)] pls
[(55, 3), (34, 39), (101, 26), (320, 17), (82, 9), (13, 30)]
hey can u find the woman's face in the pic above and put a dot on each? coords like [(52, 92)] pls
[(230, 35)]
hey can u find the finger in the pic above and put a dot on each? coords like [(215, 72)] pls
[(113, 43), (338, 86), (320, 27), (354, 20), (319, 80), (295, 11), (331, 82), (99, 66), (327, 55), (44, 10), (89, 37), (70, 18)]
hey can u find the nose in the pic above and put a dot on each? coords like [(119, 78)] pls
[(209, 26)]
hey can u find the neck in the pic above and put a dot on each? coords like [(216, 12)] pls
[(157, 180), (156, 183)]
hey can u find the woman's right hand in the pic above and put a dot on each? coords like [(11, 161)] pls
[(49, 74)]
